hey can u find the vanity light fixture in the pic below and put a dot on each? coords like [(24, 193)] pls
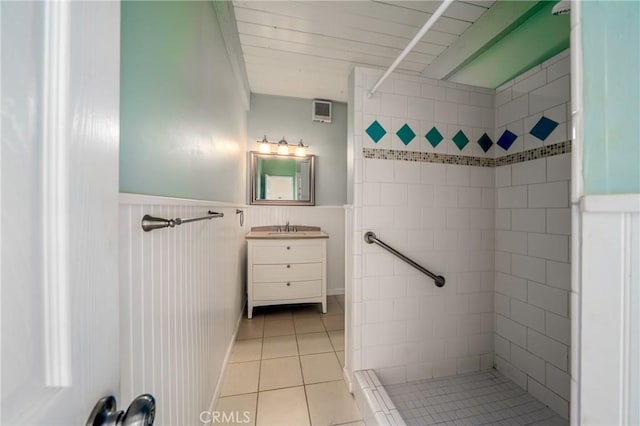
[(264, 145), (282, 147), (301, 150)]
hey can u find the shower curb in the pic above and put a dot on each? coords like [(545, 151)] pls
[(374, 402)]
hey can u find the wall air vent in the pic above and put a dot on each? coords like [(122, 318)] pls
[(321, 111)]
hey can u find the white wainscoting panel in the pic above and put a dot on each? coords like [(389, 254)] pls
[(329, 218), (181, 295), (609, 335), (350, 296)]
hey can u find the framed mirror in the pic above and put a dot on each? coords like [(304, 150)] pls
[(284, 180)]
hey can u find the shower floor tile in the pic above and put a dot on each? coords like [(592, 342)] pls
[(485, 398)]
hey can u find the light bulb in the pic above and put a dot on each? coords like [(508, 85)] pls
[(264, 145), (265, 148), (283, 147), (301, 150)]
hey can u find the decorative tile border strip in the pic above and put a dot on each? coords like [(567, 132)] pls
[(463, 160), (534, 154), (426, 157)]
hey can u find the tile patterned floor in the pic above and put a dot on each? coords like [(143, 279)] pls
[(286, 369), (485, 398)]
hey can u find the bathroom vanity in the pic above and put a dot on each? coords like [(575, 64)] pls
[(286, 265)]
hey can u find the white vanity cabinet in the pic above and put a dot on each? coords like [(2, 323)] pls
[(286, 270)]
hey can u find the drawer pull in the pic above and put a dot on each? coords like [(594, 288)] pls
[(288, 248), (288, 284), (288, 266)]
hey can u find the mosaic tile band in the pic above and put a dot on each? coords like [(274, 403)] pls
[(463, 160)]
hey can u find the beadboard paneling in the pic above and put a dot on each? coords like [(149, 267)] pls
[(329, 219), (181, 293), (608, 330)]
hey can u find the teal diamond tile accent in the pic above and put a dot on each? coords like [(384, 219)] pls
[(405, 134), (376, 131), (460, 139), (434, 137)]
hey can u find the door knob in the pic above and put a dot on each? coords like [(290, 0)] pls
[(141, 412)]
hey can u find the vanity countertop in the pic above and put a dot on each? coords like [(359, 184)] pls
[(280, 235), (287, 231)]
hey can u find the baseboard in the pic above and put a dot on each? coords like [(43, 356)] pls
[(347, 379), (335, 291), (216, 393)]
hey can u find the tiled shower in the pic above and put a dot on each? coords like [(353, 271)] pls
[(473, 184)]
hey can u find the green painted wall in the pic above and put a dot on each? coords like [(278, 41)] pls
[(611, 54), (280, 168), (182, 121)]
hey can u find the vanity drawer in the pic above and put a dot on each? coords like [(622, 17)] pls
[(287, 272), (287, 290), (286, 251)]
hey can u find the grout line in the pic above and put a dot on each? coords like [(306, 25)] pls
[(255, 416), (304, 386)]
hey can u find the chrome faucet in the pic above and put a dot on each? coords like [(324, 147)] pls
[(286, 227)]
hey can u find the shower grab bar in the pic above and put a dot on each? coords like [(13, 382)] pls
[(149, 223), (370, 238)]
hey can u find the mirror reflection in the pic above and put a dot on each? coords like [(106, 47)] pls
[(282, 179)]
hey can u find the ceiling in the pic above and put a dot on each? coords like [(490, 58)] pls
[(308, 48)]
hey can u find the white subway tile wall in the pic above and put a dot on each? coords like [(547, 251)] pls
[(533, 225), (499, 235), (442, 216), (533, 274), (448, 109), (450, 316)]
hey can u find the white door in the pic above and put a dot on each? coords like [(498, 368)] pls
[(59, 203), (279, 187)]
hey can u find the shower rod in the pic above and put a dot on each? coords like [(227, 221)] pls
[(427, 25), (149, 223)]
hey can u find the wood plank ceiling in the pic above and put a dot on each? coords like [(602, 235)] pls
[(307, 49)]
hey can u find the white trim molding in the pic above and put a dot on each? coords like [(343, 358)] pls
[(576, 215), (229, 29), (614, 203), (55, 195), (158, 200)]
